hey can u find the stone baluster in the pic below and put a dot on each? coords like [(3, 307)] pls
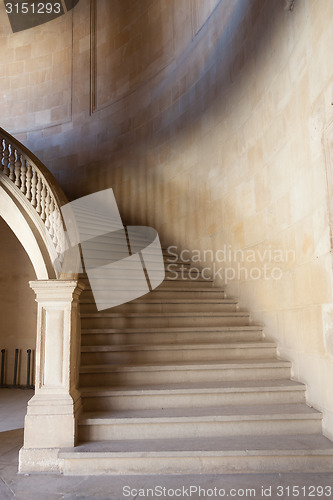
[(28, 181), (18, 166), (43, 201), (47, 209), (39, 194), (34, 188), (51, 218), (23, 175), (3, 146), (11, 165), (5, 158)]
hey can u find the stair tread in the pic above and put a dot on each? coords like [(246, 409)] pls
[(270, 445), (179, 289), (229, 386), (163, 314), (170, 346), (175, 329), (220, 413), (188, 365), (172, 301), (137, 277), (188, 289)]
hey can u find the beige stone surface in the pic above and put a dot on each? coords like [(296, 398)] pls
[(54, 486), (50, 422), (37, 74), (214, 136)]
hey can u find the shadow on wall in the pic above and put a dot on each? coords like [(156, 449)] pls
[(128, 144), (188, 96)]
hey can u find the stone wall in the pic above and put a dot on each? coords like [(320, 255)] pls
[(211, 121)]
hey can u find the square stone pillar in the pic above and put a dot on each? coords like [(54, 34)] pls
[(52, 413)]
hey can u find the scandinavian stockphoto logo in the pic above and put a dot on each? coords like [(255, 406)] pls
[(24, 15), (228, 264), (122, 263)]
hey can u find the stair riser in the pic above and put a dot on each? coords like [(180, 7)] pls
[(160, 321), (170, 274), (184, 276), (160, 356), (189, 284), (192, 429), (164, 338), (137, 285), (105, 254), (116, 243), (104, 257), (209, 293), (185, 400), (163, 308), (187, 464), (174, 271), (177, 376), (165, 295)]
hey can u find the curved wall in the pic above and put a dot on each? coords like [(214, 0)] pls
[(36, 74), (208, 119)]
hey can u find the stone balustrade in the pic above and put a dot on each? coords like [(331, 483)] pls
[(37, 185)]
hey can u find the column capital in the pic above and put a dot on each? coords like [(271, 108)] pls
[(57, 290)]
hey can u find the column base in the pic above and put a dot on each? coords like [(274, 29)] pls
[(51, 421)]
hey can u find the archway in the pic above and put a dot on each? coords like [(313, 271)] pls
[(26, 232), (18, 308)]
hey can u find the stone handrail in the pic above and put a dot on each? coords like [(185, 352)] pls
[(37, 185)]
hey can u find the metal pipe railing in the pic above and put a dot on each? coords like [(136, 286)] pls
[(16, 371), (2, 379)]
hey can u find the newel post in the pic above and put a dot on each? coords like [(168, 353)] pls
[(52, 413)]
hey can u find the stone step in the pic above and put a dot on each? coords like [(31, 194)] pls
[(167, 293), (206, 422), (173, 270), (184, 372), (202, 455), (127, 354), (139, 320), (192, 395), (121, 286), (100, 255), (173, 335), (101, 278), (167, 305), (116, 237), (104, 258), (187, 284)]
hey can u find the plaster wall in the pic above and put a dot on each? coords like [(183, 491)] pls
[(18, 309), (211, 121)]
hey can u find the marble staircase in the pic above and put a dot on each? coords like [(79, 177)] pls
[(181, 381)]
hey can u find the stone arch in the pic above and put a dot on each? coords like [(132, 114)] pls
[(27, 232)]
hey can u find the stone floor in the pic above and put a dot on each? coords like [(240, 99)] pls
[(53, 486)]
